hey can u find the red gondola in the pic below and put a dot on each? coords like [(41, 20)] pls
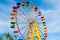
[(14, 10), (36, 9), (14, 7)]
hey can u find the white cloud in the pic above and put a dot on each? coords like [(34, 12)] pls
[(53, 17), (54, 37), (53, 20), (56, 3), (4, 26)]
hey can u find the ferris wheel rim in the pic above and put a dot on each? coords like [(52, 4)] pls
[(23, 27)]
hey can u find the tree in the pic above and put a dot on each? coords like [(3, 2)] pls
[(7, 35), (1, 38), (10, 38)]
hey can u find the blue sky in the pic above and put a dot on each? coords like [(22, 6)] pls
[(50, 9)]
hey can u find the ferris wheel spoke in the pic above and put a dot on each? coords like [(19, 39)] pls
[(27, 8), (26, 11), (41, 19), (41, 12), (25, 18), (18, 27), (25, 32), (41, 28), (23, 27), (23, 22), (22, 17), (38, 19), (41, 31)]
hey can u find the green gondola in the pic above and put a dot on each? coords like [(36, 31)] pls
[(27, 3), (44, 23), (12, 25)]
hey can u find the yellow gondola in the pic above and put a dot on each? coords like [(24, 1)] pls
[(12, 15), (45, 29), (32, 5), (15, 35)]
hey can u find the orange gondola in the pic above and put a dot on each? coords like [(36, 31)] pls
[(23, 3)]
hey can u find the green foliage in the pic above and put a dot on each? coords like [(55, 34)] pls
[(1, 38), (10, 38)]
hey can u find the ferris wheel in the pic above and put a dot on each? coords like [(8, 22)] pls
[(29, 21)]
